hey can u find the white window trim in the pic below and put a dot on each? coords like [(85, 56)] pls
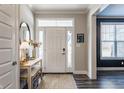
[(109, 58)]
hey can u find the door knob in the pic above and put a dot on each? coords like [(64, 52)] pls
[(63, 49), (14, 63)]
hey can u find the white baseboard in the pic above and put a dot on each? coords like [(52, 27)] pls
[(109, 68), (80, 72)]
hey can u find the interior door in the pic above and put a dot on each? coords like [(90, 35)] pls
[(55, 50), (7, 47)]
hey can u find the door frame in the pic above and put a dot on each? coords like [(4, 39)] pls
[(44, 45), (17, 46)]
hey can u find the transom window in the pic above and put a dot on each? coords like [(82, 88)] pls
[(55, 22), (112, 40)]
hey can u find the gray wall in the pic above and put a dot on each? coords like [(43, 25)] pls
[(113, 10), (80, 26)]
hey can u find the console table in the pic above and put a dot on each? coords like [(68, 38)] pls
[(30, 70)]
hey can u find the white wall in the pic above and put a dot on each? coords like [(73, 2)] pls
[(80, 27), (91, 45), (27, 16)]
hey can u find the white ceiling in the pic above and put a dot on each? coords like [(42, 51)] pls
[(59, 7)]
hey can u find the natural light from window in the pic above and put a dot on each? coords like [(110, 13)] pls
[(112, 40), (41, 46), (55, 23), (69, 46)]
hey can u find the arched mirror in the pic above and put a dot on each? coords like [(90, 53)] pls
[(24, 39), (25, 34)]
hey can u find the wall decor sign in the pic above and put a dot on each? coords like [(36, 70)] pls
[(80, 38)]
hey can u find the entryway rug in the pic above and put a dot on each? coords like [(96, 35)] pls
[(105, 80)]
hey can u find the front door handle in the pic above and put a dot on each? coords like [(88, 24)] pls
[(14, 63), (63, 51)]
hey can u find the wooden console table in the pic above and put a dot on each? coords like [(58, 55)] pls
[(32, 67)]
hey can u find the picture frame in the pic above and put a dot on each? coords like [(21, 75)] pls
[(80, 37)]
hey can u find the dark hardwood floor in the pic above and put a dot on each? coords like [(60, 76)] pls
[(105, 80)]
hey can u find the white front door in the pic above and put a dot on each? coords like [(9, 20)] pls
[(55, 50), (7, 47)]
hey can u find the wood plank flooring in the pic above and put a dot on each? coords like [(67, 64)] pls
[(105, 80), (58, 81)]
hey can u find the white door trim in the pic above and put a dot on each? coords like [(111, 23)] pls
[(17, 49), (44, 50)]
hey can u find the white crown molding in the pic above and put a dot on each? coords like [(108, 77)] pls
[(62, 12), (30, 7), (103, 7)]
